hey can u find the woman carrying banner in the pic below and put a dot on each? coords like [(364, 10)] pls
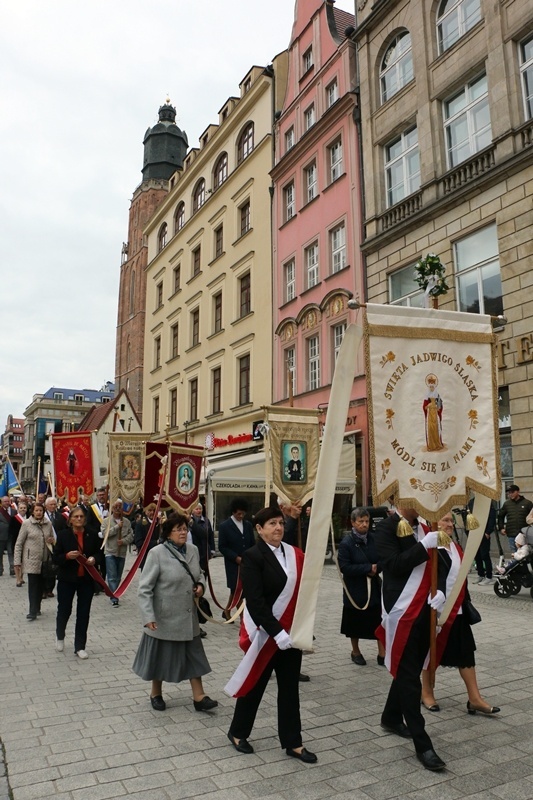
[(455, 642), (31, 550), (171, 648), (271, 574), (358, 563)]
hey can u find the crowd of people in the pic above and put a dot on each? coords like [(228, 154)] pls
[(386, 587)]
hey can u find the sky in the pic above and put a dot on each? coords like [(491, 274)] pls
[(81, 83)]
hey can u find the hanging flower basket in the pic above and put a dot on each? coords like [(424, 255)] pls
[(430, 275)]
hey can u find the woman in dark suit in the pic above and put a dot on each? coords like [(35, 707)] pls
[(270, 573), (73, 579), (358, 562)]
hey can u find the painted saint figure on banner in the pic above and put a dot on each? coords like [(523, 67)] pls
[(432, 406), (71, 462), (294, 462), (184, 479), (130, 470)]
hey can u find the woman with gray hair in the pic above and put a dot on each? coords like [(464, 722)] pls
[(358, 563)]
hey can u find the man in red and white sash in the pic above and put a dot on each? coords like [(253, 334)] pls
[(270, 574)]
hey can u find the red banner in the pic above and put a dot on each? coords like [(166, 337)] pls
[(183, 476), (155, 452), (72, 459)]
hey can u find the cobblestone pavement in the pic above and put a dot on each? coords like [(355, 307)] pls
[(85, 730)]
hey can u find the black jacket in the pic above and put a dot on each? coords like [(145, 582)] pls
[(232, 543), (355, 562), (263, 579), (67, 541), (398, 555), (512, 515)]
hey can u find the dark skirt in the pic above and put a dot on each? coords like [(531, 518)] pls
[(360, 624), (460, 647), (162, 660)]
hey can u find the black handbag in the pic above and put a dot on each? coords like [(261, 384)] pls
[(49, 569), (471, 613)]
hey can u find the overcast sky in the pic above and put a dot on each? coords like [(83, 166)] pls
[(80, 84)]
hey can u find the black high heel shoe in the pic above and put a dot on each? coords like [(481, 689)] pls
[(471, 708)]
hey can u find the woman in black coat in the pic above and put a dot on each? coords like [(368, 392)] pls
[(358, 562)]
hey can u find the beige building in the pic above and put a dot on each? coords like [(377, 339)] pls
[(208, 331), (447, 130)]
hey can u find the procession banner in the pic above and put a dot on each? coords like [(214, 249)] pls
[(432, 406), (155, 453), (126, 460), (72, 459), (294, 448), (182, 480)]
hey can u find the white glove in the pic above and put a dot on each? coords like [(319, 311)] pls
[(283, 640), (438, 601), (430, 540)]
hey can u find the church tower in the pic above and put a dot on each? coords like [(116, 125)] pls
[(165, 147)]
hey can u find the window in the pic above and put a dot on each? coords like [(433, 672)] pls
[(402, 166), (245, 217), (157, 352), (176, 278), (221, 170), (159, 295), (193, 399), (526, 69), (396, 66), (198, 198), (289, 202), (155, 408), (179, 217), (332, 93), (217, 312), (162, 236), (174, 341), (216, 385), (289, 280), (289, 139), (313, 363), (219, 241), (477, 266), (311, 265), (335, 161), (196, 260), (246, 143), (311, 182), (309, 117), (337, 239), (78, 399), (244, 380), (467, 121), (173, 407), (290, 369), (195, 327), (307, 60), (454, 19), (403, 288), (132, 293), (337, 335), (245, 303)]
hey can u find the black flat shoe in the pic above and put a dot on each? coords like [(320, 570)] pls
[(359, 660), (158, 704), (400, 729), (381, 661), (32, 618), (433, 707), (205, 704), (241, 745), (471, 708), (303, 678), (305, 756), (430, 760)]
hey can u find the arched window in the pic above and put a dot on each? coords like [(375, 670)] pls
[(162, 236), (179, 217), (198, 198), (128, 356), (245, 144), (454, 19), (396, 66), (132, 293), (221, 170)]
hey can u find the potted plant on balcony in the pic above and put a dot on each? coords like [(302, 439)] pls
[(430, 276)]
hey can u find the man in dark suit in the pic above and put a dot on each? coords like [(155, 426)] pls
[(59, 523), (405, 627), (271, 574), (235, 535)]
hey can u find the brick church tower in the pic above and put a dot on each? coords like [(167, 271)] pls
[(165, 147)]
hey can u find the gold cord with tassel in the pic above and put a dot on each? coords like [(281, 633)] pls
[(471, 522), (443, 539), (404, 529)]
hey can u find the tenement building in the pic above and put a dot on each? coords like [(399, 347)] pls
[(446, 92)]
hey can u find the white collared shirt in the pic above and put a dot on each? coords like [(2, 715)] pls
[(279, 552)]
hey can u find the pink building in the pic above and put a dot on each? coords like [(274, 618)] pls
[(317, 220)]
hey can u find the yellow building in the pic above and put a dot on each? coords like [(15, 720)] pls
[(208, 330)]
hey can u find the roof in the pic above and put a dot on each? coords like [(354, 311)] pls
[(97, 415), (89, 395), (343, 20)]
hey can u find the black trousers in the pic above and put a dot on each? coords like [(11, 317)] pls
[(403, 701), (35, 592), (66, 590), (483, 559), (286, 664)]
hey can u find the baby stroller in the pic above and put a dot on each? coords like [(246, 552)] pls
[(519, 574)]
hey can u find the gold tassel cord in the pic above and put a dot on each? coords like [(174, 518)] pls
[(443, 539), (404, 529), (471, 522)]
